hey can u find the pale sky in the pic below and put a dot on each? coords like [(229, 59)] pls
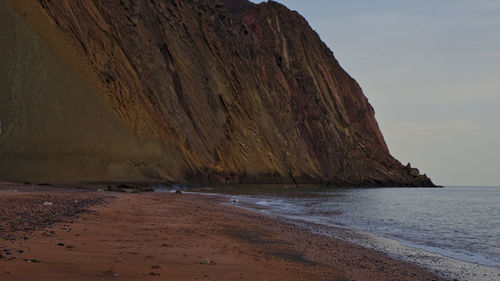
[(431, 70)]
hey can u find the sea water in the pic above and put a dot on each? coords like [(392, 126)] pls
[(454, 231)]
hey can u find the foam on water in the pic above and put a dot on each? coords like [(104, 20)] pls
[(454, 230)]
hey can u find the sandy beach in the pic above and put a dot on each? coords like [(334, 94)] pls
[(89, 235)]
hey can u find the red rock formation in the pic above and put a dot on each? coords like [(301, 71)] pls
[(220, 91)]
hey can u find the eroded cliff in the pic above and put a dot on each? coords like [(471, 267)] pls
[(192, 91)]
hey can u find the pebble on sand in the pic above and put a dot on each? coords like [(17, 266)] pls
[(206, 261)]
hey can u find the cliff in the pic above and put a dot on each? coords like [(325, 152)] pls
[(183, 91)]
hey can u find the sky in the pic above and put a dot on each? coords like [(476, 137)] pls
[(431, 70)]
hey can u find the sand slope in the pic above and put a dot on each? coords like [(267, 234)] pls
[(186, 91)]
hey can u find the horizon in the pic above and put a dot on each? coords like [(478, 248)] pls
[(222, 140), (440, 113)]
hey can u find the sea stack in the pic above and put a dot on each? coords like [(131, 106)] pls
[(196, 92)]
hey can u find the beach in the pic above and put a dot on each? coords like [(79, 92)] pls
[(96, 235)]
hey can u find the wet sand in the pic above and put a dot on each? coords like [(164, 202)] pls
[(163, 236)]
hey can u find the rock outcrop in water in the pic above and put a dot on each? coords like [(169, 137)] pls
[(192, 91)]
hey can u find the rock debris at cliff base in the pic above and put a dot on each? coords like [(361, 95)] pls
[(181, 91)]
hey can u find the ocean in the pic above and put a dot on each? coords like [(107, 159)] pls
[(454, 231)]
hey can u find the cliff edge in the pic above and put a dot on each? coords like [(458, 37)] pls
[(199, 91)]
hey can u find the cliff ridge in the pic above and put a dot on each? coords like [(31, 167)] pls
[(182, 91)]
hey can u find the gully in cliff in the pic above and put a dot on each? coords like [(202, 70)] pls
[(193, 92), (122, 107)]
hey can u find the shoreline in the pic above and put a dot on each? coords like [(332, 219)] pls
[(165, 236), (433, 260), (446, 267)]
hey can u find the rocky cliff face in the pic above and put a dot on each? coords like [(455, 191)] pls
[(197, 91)]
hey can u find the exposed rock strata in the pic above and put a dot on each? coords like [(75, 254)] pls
[(186, 91)]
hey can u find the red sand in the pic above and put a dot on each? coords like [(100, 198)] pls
[(153, 236)]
